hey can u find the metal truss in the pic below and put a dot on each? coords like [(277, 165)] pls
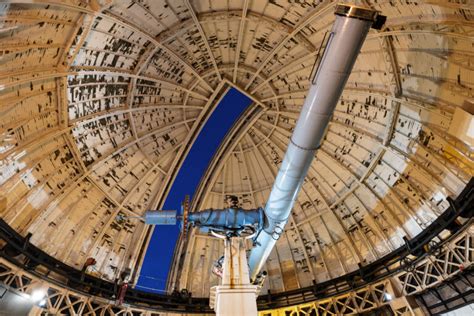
[(454, 293), (420, 265), (428, 272), (63, 301), (368, 298), (60, 300), (436, 268), (24, 268), (440, 265)]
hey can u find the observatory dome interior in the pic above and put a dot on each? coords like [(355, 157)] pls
[(102, 100)]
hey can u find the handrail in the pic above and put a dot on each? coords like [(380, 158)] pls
[(463, 206), (71, 277)]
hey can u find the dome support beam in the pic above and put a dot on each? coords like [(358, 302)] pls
[(315, 14), (204, 37), (117, 19), (239, 40)]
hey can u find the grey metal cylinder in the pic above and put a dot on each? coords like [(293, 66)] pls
[(346, 38), (227, 220), (160, 217)]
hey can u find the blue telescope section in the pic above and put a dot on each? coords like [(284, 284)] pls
[(160, 217), (228, 221)]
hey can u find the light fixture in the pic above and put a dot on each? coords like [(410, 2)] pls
[(42, 303), (388, 297), (38, 295)]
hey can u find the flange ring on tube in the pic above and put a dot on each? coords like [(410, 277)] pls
[(352, 11)]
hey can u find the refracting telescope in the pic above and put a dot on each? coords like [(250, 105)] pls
[(333, 65), (230, 222)]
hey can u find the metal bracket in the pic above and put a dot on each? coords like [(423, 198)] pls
[(320, 55)]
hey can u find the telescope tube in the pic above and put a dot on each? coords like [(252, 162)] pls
[(344, 43)]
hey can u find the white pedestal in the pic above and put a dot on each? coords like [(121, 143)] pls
[(235, 296), (235, 301)]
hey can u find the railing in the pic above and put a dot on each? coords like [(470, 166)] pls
[(450, 268), (23, 265), (385, 266), (454, 259)]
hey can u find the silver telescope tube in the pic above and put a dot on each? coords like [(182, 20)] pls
[(345, 41)]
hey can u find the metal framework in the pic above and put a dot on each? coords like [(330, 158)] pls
[(63, 301), (452, 261), (426, 265), (355, 302), (451, 294), (439, 266)]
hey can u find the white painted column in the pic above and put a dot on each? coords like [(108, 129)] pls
[(236, 295)]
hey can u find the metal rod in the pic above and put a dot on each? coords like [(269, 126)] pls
[(348, 34)]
